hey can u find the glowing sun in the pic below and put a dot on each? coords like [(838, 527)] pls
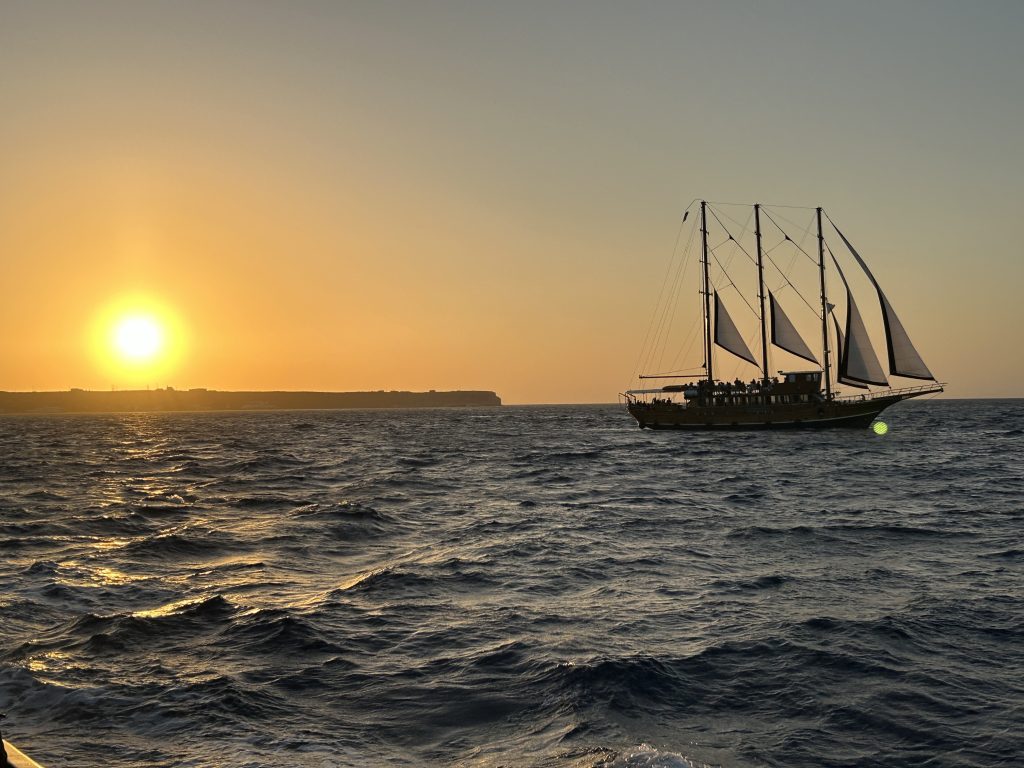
[(138, 338)]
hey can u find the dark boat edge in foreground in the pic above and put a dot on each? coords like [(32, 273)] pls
[(12, 757)]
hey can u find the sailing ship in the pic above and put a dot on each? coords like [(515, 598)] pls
[(811, 397)]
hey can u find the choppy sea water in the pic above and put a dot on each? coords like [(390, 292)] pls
[(542, 586)]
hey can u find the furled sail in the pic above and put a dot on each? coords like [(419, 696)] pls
[(727, 336), (839, 356), (785, 334), (903, 358)]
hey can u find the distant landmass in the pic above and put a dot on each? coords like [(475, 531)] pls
[(169, 399)]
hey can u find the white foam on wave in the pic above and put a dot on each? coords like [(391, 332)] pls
[(646, 756)]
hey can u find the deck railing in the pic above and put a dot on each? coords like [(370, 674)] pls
[(923, 389)]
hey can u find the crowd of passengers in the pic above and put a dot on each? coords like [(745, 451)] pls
[(739, 386)]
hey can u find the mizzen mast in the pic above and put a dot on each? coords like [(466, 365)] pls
[(824, 309), (760, 291)]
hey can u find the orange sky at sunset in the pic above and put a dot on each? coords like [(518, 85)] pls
[(349, 196)]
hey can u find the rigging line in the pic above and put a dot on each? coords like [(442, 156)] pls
[(835, 261), (675, 371), (792, 259), (806, 230), (730, 239), (737, 222), (803, 238), (654, 315), (733, 284), (798, 225), (670, 300), (676, 271), (672, 319), (795, 289), (671, 307), (773, 205), (684, 349), (745, 225), (738, 244), (795, 244), (829, 219), (828, 248), (785, 273)]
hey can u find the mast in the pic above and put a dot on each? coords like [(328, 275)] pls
[(824, 309), (707, 293), (760, 288)]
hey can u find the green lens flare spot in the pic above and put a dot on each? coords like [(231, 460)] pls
[(880, 427)]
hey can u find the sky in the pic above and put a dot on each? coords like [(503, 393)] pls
[(481, 195)]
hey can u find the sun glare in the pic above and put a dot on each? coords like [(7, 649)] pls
[(137, 341), (138, 338)]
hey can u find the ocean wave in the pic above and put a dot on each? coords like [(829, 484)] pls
[(187, 543), (533, 588), (768, 581), (276, 632), (646, 756)]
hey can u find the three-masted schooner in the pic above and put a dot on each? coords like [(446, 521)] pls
[(794, 399)]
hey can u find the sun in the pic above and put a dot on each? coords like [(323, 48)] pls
[(138, 338)]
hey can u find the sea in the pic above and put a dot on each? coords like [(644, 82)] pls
[(515, 586)]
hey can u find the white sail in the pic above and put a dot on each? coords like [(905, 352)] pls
[(859, 362), (785, 334), (839, 356), (903, 358), (727, 336)]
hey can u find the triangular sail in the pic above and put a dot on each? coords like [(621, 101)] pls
[(859, 362), (727, 336), (903, 358), (839, 356), (785, 334)]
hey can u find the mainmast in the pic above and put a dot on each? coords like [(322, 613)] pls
[(824, 309), (760, 291), (707, 291)]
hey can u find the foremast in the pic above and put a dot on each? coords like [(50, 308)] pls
[(707, 295)]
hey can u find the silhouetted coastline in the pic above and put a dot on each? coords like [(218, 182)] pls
[(86, 401)]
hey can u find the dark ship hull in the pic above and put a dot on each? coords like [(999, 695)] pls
[(807, 399), (854, 414)]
